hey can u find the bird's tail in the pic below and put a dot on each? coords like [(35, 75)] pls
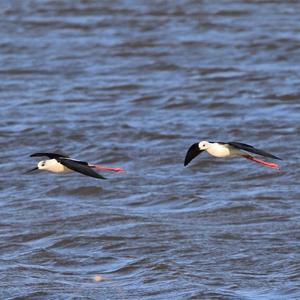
[(262, 162)]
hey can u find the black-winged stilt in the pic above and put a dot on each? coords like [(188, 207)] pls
[(59, 163), (230, 149)]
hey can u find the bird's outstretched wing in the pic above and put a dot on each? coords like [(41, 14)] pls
[(192, 153), (80, 167), (251, 149), (50, 155)]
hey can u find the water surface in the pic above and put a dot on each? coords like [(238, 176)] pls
[(133, 84)]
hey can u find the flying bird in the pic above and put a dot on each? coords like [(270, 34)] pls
[(230, 149), (59, 163)]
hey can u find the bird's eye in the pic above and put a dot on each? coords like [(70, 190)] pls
[(43, 164)]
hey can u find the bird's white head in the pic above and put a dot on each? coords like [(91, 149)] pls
[(48, 165), (42, 165), (204, 145)]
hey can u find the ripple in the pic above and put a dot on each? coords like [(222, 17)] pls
[(133, 84)]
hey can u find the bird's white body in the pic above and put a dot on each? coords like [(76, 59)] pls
[(52, 165), (219, 150)]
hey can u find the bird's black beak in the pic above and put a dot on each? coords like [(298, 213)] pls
[(192, 153), (36, 168)]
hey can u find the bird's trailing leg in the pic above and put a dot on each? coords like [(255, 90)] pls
[(264, 163), (118, 170)]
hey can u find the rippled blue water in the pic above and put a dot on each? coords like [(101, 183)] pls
[(134, 84)]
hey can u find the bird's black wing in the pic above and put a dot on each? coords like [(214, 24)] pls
[(192, 153), (80, 167), (251, 149), (50, 155), (78, 161)]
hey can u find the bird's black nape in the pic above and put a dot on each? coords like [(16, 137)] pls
[(192, 153)]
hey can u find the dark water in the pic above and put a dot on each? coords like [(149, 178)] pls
[(133, 84)]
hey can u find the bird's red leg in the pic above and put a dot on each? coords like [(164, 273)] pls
[(264, 163), (118, 170)]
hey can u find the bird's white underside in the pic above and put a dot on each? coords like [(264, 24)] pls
[(219, 150), (52, 165)]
